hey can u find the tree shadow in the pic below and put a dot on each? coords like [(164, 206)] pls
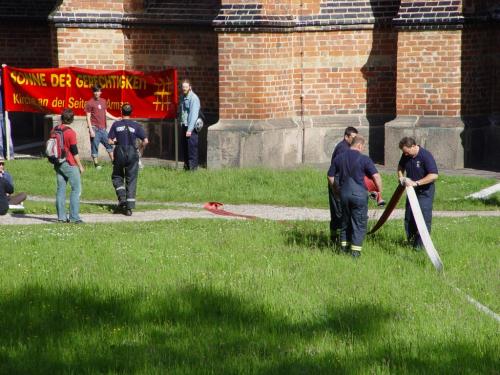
[(380, 74), (189, 330), (309, 238)]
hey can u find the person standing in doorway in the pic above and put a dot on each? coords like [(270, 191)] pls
[(189, 112), (96, 110)]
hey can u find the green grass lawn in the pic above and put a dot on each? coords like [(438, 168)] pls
[(245, 297), (299, 187)]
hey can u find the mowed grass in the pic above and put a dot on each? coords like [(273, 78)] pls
[(298, 187), (245, 297)]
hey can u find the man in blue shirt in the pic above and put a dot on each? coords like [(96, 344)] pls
[(421, 172), (333, 197), (123, 134), (7, 198), (348, 172), (189, 111)]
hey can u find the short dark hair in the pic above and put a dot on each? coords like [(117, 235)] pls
[(127, 109), (407, 142), (359, 139), (349, 130), (67, 116), (96, 88)]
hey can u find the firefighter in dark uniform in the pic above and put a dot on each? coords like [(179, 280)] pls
[(421, 172), (333, 197), (347, 172), (123, 135)]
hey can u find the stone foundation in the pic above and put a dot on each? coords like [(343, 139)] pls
[(283, 143)]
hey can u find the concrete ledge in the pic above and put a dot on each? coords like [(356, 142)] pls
[(455, 142), (283, 143), (439, 135)]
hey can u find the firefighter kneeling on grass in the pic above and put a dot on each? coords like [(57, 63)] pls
[(123, 134), (349, 169)]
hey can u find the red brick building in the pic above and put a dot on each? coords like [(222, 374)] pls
[(281, 79)]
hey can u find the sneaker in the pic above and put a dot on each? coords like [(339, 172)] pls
[(355, 253), (373, 195), (381, 203), (97, 166), (128, 212), (141, 166), (78, 222), (344, 249), (62, 221)]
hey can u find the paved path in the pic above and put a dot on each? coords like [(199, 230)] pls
[(195, 211)]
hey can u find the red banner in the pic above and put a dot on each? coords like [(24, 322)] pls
[(152, 95)]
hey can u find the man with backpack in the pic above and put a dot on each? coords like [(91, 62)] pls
[(68, 168), (123, 134)]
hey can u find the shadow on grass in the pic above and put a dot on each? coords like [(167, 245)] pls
[(393, 243), (193, 330), (310, 238)]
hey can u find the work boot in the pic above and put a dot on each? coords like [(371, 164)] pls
[(344, 249), (355, 253)]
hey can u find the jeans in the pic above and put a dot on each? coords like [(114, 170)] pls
[(190, 150), (101, 137), (66, 173)]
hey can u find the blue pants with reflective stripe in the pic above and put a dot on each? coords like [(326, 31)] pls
[(354, 199)]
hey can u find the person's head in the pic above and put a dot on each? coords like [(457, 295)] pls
[(67, 116), (350, 133), (408, 146), (96, 89), (358, 143), (2, 166), (126, 110), (186, 86)]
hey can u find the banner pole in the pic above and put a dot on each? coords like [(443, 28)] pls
[(176, 143), (7, 135)]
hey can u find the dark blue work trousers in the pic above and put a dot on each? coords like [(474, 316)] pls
[(124, 175), (335, 212), (354, 200), (190, 149), (425, 196)]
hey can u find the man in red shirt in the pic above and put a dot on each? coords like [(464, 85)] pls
[(69, 171), (97, 112)]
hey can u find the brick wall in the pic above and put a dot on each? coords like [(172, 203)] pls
[(428, 73), (109, 5), (256, 75), (90, 48), (29, 46), (193, 53), (346, 72), (477, 67)]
